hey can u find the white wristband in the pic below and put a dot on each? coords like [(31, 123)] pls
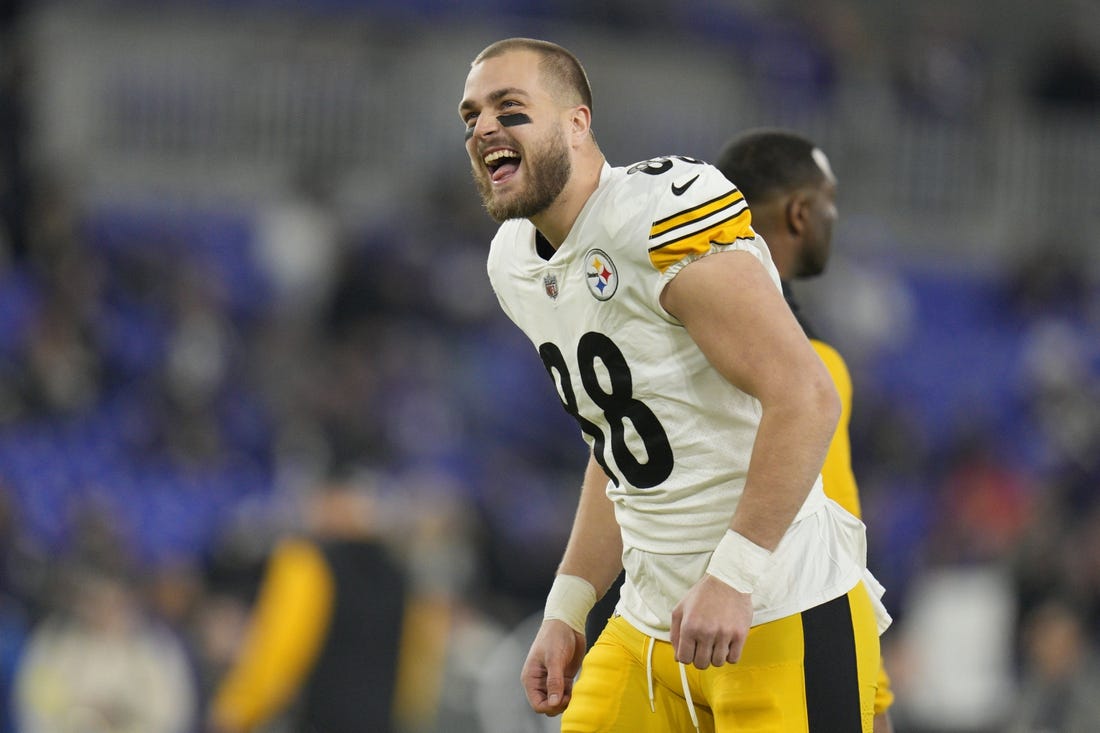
[(570, 599), (738, 562)]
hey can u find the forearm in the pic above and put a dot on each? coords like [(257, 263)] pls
[(595, 548), (787, 456)]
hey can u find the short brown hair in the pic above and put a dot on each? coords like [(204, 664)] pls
[(561, 70)]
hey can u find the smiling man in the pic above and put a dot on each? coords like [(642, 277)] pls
[(658, 314)]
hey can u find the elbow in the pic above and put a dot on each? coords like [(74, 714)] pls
[(815, 399), (806, 395), (811, 401)]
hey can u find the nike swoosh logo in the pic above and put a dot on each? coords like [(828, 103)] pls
[(677, 190)]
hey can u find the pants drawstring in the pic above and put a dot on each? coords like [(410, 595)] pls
[(687, 697), (649, 643), (649, 671)]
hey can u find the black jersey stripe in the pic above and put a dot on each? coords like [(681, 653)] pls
[(695, 213), (697, 232)]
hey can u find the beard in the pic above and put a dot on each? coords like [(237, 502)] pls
[(547, 168), (811, 265), (815, 254)]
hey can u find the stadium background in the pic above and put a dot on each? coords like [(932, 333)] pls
[(240, 248)]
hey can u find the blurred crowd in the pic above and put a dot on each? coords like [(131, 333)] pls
[(178, 385)]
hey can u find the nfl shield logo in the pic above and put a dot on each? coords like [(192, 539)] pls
[(550, 282)]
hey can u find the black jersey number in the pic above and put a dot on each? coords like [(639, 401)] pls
[(657, 166), (619, 406)]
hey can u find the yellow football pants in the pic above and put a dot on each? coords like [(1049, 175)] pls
[(814, 672)]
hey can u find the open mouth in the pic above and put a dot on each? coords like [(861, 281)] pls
[(502, 164)]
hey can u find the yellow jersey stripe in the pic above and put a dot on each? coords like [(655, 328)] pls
[(698, 243), (695, 213)]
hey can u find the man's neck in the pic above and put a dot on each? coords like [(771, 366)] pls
[(556, 221)]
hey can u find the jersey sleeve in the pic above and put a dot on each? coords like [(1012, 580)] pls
[(285, 635), (696, 211)]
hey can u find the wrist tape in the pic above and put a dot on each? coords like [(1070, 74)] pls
[(570, 599), (738, 562)]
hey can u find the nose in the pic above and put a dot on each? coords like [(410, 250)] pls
[(485, 125)]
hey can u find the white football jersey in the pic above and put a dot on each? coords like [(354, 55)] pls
[(673, 434)]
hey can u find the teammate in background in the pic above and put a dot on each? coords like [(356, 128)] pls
[(659, 315), (791, 189), (323, 645)]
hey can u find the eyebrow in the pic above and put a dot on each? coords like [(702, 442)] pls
[(493, 97)]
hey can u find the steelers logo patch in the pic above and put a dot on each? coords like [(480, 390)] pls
[(600, 274)]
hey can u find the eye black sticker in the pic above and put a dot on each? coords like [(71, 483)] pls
[(516, 118)]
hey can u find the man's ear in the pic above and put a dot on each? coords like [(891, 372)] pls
[(581, 121), (795, 214)]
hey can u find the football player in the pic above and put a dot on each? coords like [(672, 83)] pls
[(659, 316)]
